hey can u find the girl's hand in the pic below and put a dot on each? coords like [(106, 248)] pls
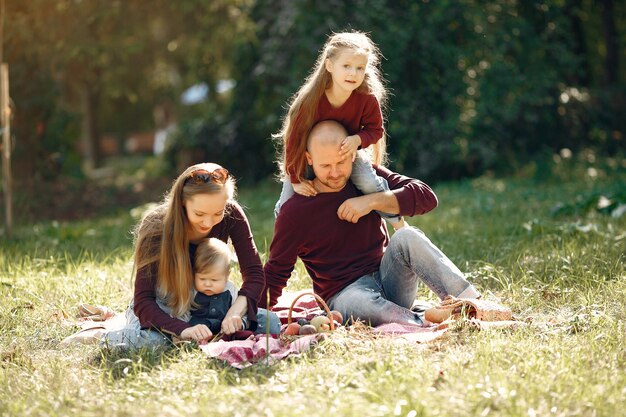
[(349, 146), (199, 333), (305, 188), (231, 324)]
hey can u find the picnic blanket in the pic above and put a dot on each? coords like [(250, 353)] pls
[(245, 348), (257, 348)]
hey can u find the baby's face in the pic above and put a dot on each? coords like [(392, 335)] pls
[(212, 281)]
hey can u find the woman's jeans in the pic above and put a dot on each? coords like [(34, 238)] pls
[(387, 295), (134, 337)]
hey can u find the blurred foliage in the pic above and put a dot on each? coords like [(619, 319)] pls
[(476, 85), (113, 61)]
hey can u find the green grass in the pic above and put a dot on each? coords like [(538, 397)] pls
[(540, 247)]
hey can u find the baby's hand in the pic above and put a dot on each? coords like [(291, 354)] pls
[(305, 188), (231, 324), (349, 146), (199, 333)]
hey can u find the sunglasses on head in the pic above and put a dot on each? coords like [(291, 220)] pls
[(202, 176)]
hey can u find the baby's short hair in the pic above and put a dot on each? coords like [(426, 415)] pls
[(211, 252)]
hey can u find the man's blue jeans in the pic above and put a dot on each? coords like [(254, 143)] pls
[(387, 295)]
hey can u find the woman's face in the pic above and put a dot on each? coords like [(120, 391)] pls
[(203, 212)]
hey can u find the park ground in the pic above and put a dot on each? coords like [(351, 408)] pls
[(551, 245)]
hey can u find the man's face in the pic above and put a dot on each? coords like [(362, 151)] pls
[(331, 170)]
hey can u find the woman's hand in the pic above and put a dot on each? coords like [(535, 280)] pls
[(305, 188), (199, 333), (231, 324), (349, 146)]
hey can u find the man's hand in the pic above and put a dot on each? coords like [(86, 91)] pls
[(349, 146), (231, 324), (354, 208), (305, 188), (199, 333)]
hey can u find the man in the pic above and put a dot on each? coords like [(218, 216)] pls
[(345, 246)]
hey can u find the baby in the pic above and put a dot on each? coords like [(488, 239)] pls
[(215, 293)]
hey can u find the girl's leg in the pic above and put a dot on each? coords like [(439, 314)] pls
[(285, 195), (365, 179)]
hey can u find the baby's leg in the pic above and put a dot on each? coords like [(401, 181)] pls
[(268, 322), (365, 179)]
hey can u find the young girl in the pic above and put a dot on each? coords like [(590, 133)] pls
[(215, 293), (346, 86)]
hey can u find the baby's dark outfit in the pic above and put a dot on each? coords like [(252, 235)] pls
[(212, 310)]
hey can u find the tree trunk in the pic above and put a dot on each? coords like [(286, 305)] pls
[(611, 61), (89, 134), (572, 10)]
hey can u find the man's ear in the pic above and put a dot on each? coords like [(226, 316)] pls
[(308, 158)]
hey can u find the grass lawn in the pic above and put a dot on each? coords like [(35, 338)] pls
[(550, 250)]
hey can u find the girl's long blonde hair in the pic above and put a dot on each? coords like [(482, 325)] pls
[(303, 105), (161, 237)]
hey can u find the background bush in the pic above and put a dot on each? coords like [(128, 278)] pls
[(476, 85)]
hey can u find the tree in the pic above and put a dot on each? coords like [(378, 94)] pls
[(107, 60)]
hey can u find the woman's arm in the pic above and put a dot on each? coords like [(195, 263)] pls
[(146, 308), (249, 262), (233, 320)]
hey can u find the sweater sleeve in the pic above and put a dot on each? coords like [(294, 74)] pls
[(291, 150), (249, 261), (371, 123), (282, 259), (414, 196), (146, 308)]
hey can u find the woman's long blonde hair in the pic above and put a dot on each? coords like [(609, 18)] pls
[(161, 237), (303, 105)]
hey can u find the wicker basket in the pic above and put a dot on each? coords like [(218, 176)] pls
[(320, 302)]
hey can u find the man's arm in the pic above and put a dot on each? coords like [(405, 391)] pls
[(282, 259), (408, 197), (353, 209)]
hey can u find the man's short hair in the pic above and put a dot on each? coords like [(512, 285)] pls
[(326, 132)]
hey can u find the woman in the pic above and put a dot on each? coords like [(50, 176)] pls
[(200, 204)]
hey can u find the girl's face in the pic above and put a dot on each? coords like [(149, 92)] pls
[(211, 281), (347, 69), (203, 212)]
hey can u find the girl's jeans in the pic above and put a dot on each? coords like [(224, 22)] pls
[(387, 295), (134, 337), (363, 177)]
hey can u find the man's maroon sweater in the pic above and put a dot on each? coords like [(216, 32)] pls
[(336, 252)]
